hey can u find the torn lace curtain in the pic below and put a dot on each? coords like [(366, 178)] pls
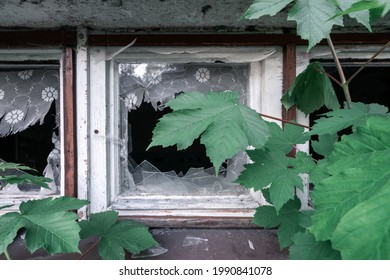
[(157, 84), (25, 98)]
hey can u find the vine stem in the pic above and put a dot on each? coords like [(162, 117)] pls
[(89, 249), (344, 83), (284, 121), (7, 255)]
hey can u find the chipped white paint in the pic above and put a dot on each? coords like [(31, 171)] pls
[(82, 120), (97, 130)]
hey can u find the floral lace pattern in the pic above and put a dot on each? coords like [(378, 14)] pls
[(25, 75), (14, 116), (49, 94), (159, 83), (26, 97), (202, 75)]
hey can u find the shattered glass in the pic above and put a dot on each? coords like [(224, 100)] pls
[(26, 96), (157, 84)]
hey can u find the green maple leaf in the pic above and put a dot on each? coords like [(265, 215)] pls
[(224, 125), (287, 220), (116, 236), (311, 90), (325, 144), (363, 231), (274, 168), (306, 247), (48, 225), (313, 19), (11, 165), (338, 120), (356, 165), (27, 178), (362, 16), (265, 7), (364, 11), (284, 139)]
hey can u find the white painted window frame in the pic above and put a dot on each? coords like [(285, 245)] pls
[(264, 97), (29, 56)]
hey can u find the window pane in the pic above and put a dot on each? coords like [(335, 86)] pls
[(144, 90), (29, 124)]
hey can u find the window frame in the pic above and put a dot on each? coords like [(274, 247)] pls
[(29, 56), (102, 99)]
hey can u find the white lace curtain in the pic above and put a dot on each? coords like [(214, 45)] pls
[(26, 97), (159, 83)]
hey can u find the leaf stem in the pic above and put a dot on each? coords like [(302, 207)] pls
[(89, 249), (368, 62), (284, 121), (344, 83), (329, 75), (7, 255)]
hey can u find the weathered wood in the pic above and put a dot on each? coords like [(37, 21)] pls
[(228, 39), (69, 124), (37, 39)]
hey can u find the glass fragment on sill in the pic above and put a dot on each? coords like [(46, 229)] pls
[(191, 241), (151, 252), (147, 179)]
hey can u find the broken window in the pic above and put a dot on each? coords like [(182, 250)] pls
[(144, 90), (29, 123), (129, 91)]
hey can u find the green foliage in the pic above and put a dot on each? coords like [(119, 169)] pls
[(316, 18), (311, 90), (306, 247), (10, 165), (313, 19), (325, 144), (365, 12), (116, 236), (357, 176), (24, 178), (287, 220), (225, 126), (27, 178), (48, 225), (361, 15), (284, 139), (265, 7), (338, 120), (363, 231), (274, 169)]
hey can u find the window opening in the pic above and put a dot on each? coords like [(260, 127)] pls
[(372, 85), (29, 122), (144, 90)]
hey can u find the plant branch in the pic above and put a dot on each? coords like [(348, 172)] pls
[(7, 255), (344, 83), (330, 76), (285, 121), (89, 249), (368, 62)]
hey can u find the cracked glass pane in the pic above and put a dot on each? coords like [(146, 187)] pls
[(29, 124), (144, 90)]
